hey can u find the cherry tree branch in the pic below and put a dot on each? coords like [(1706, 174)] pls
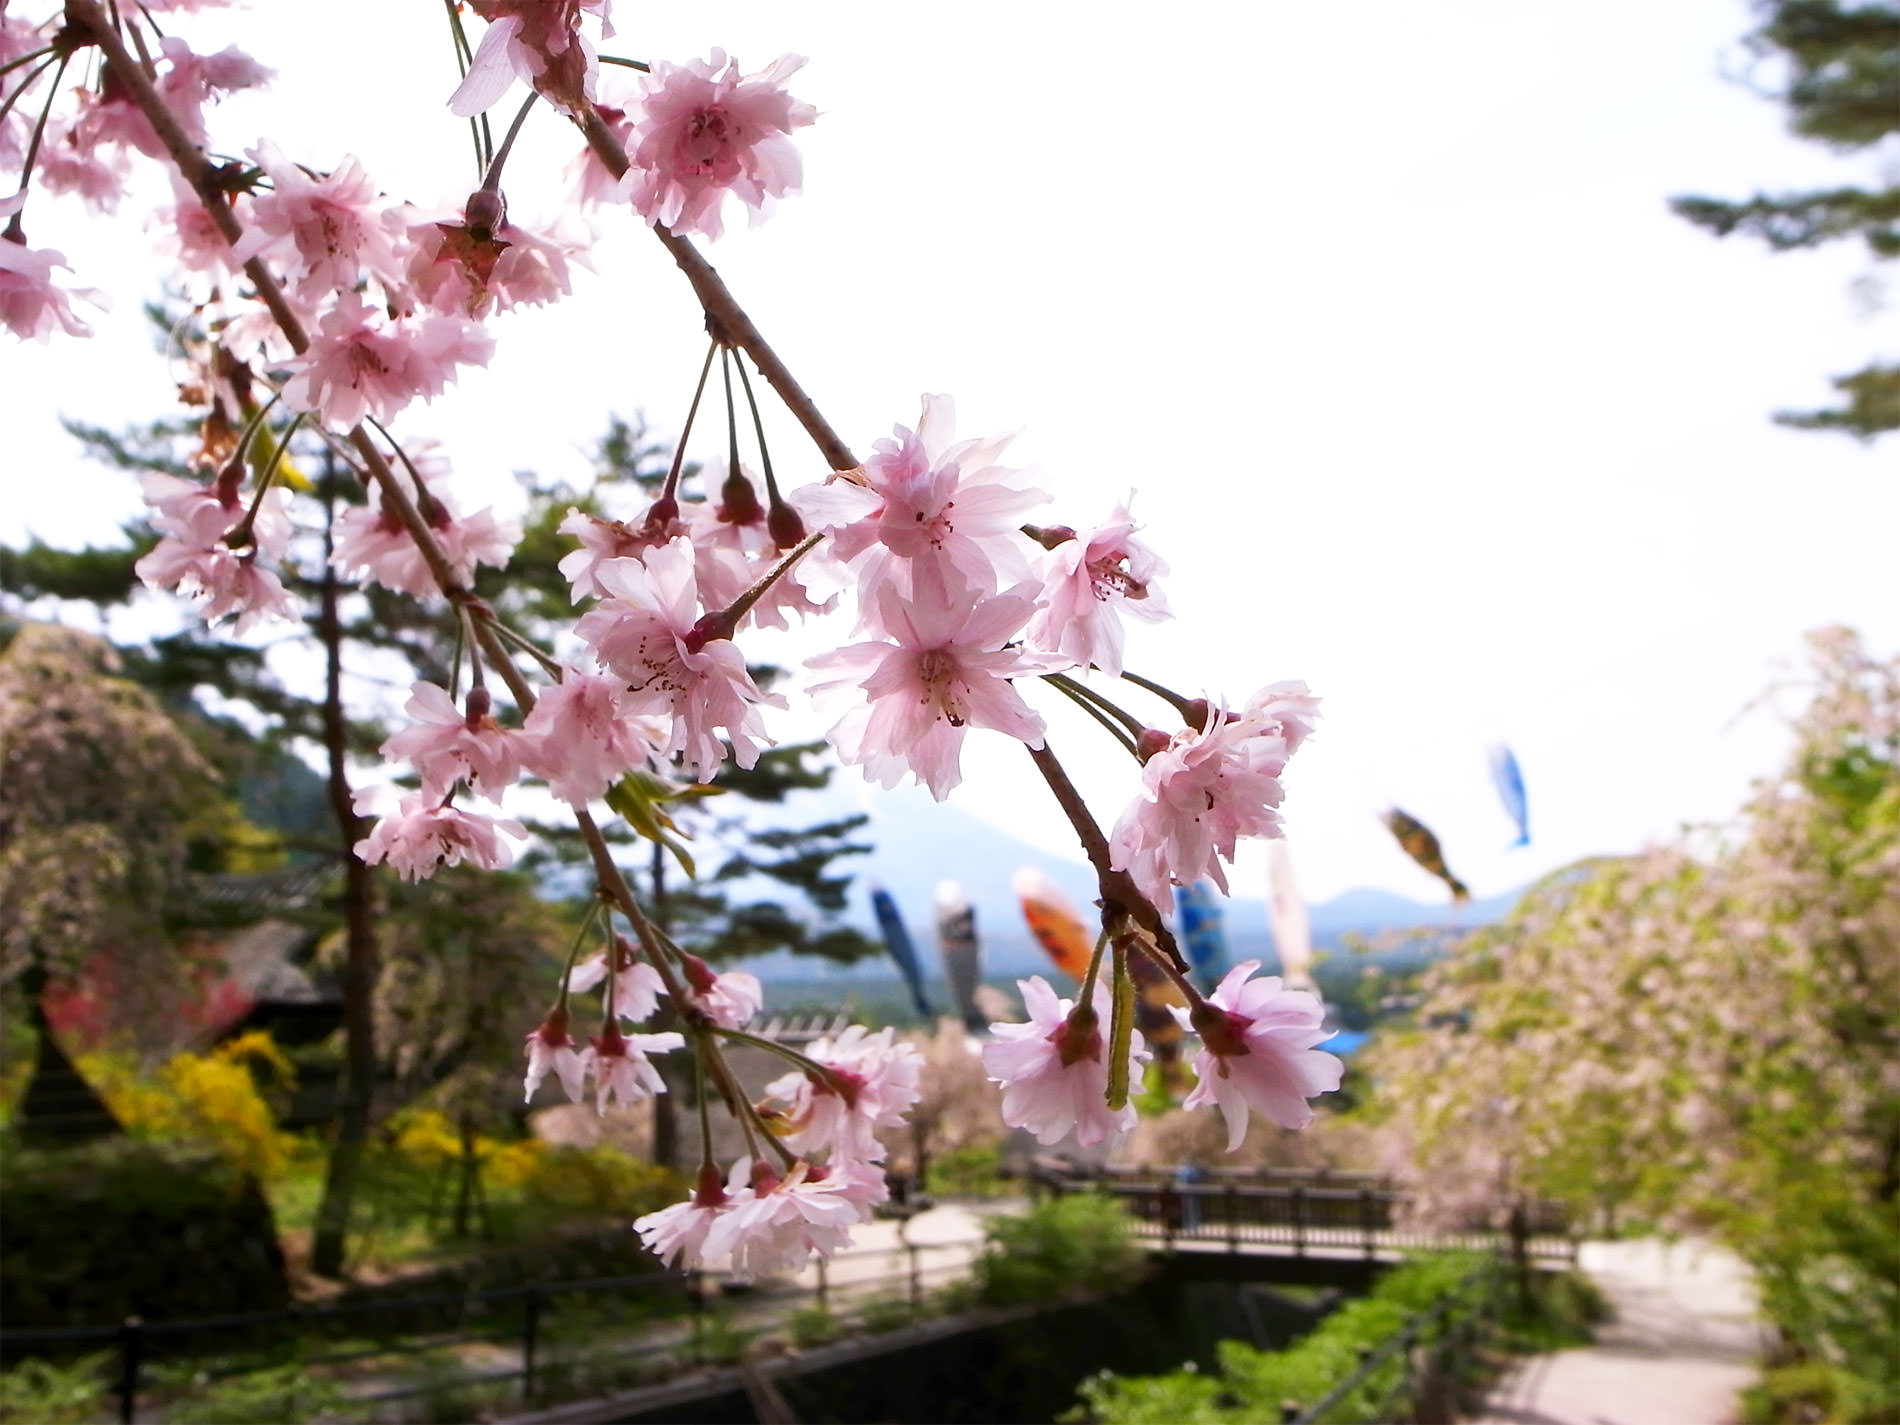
[(724, 316), (1120, 895)]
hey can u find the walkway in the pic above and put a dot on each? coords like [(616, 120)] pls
[(1678, 1351)]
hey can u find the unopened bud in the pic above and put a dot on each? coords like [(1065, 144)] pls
[(485, 211), (1049, 536), (698, 974), (711, 628), (711, 1190), (1151, 741), (660, 517), (784, 525), (738, 501)]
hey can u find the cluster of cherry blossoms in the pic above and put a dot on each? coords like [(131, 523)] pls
[(326, 307)]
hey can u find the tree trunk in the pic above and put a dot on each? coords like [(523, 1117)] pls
[(666, 1124), (359, 965)]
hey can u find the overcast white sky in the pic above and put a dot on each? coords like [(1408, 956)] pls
[(1426, 396)]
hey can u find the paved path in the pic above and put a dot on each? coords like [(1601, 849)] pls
[(1678, 1351)]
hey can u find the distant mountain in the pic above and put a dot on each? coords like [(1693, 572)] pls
[(919, 842)]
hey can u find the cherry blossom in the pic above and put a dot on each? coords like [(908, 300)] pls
[(535, 40), (926, 501), (423, 834), (646, 632), (361, 365), (728, 1000), (195, 558), (1257, 1051), (1088, 582), (946, 669), (1054, 1071), (1202, 789), (333, 230), (375, 543), (870, 1083), (620, 1065), (637, 986), (677, 1234), (447, 744), (812, 1209), (581, 740), (552, 1048), (459, 267), (31, 307), (703, 131)]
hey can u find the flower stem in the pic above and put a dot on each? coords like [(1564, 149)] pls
[(1095, 708), (1120, 895)]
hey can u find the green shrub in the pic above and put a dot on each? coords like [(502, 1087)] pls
[(282, 1393), (1251, 1384), (120, 1228), (813, 1326), (39, 1392), (1075, 1245), (886, 1313), (974, 1170)]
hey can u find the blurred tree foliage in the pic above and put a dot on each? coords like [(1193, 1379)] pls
[(107, 804), (1706, 1036), (1838, 72)]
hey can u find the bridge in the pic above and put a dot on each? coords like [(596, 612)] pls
[(1297, 1227)]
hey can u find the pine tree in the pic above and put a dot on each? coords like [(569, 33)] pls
[(1842, 89)]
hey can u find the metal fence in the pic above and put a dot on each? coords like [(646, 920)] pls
[(1303, 1215), (677, 1320)]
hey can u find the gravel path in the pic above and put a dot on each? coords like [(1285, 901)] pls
[(1681, 1345)]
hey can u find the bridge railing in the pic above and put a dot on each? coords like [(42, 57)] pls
[(1304, 1216)]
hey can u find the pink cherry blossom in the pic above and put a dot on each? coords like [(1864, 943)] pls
[(1054, 1069), (31, 307), (535, 40), (946, 669), (422, 835), (645, 632), (703, 131), (602, 540), (373, 542), (95, 173), (552, 1048), (581, 740), (1287, 709), (677, 1234), (729, 1000), (1088, 583), (1202, 789), (360, 364), (1257, 1051), (191, 80), (620, 1065), (448, 745), (637, 986), (871, 1083), (928, 504), (786, 1220), (333, 230), (456, 268), (195, 559)]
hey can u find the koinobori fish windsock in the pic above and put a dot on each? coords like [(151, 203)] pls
[(897, 941), (962, 953), (1418, 842), (1509, 780), (1286, 914), (1054, 921), (1198, 916)]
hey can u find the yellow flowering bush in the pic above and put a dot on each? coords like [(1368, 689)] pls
[(211, 1098)]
